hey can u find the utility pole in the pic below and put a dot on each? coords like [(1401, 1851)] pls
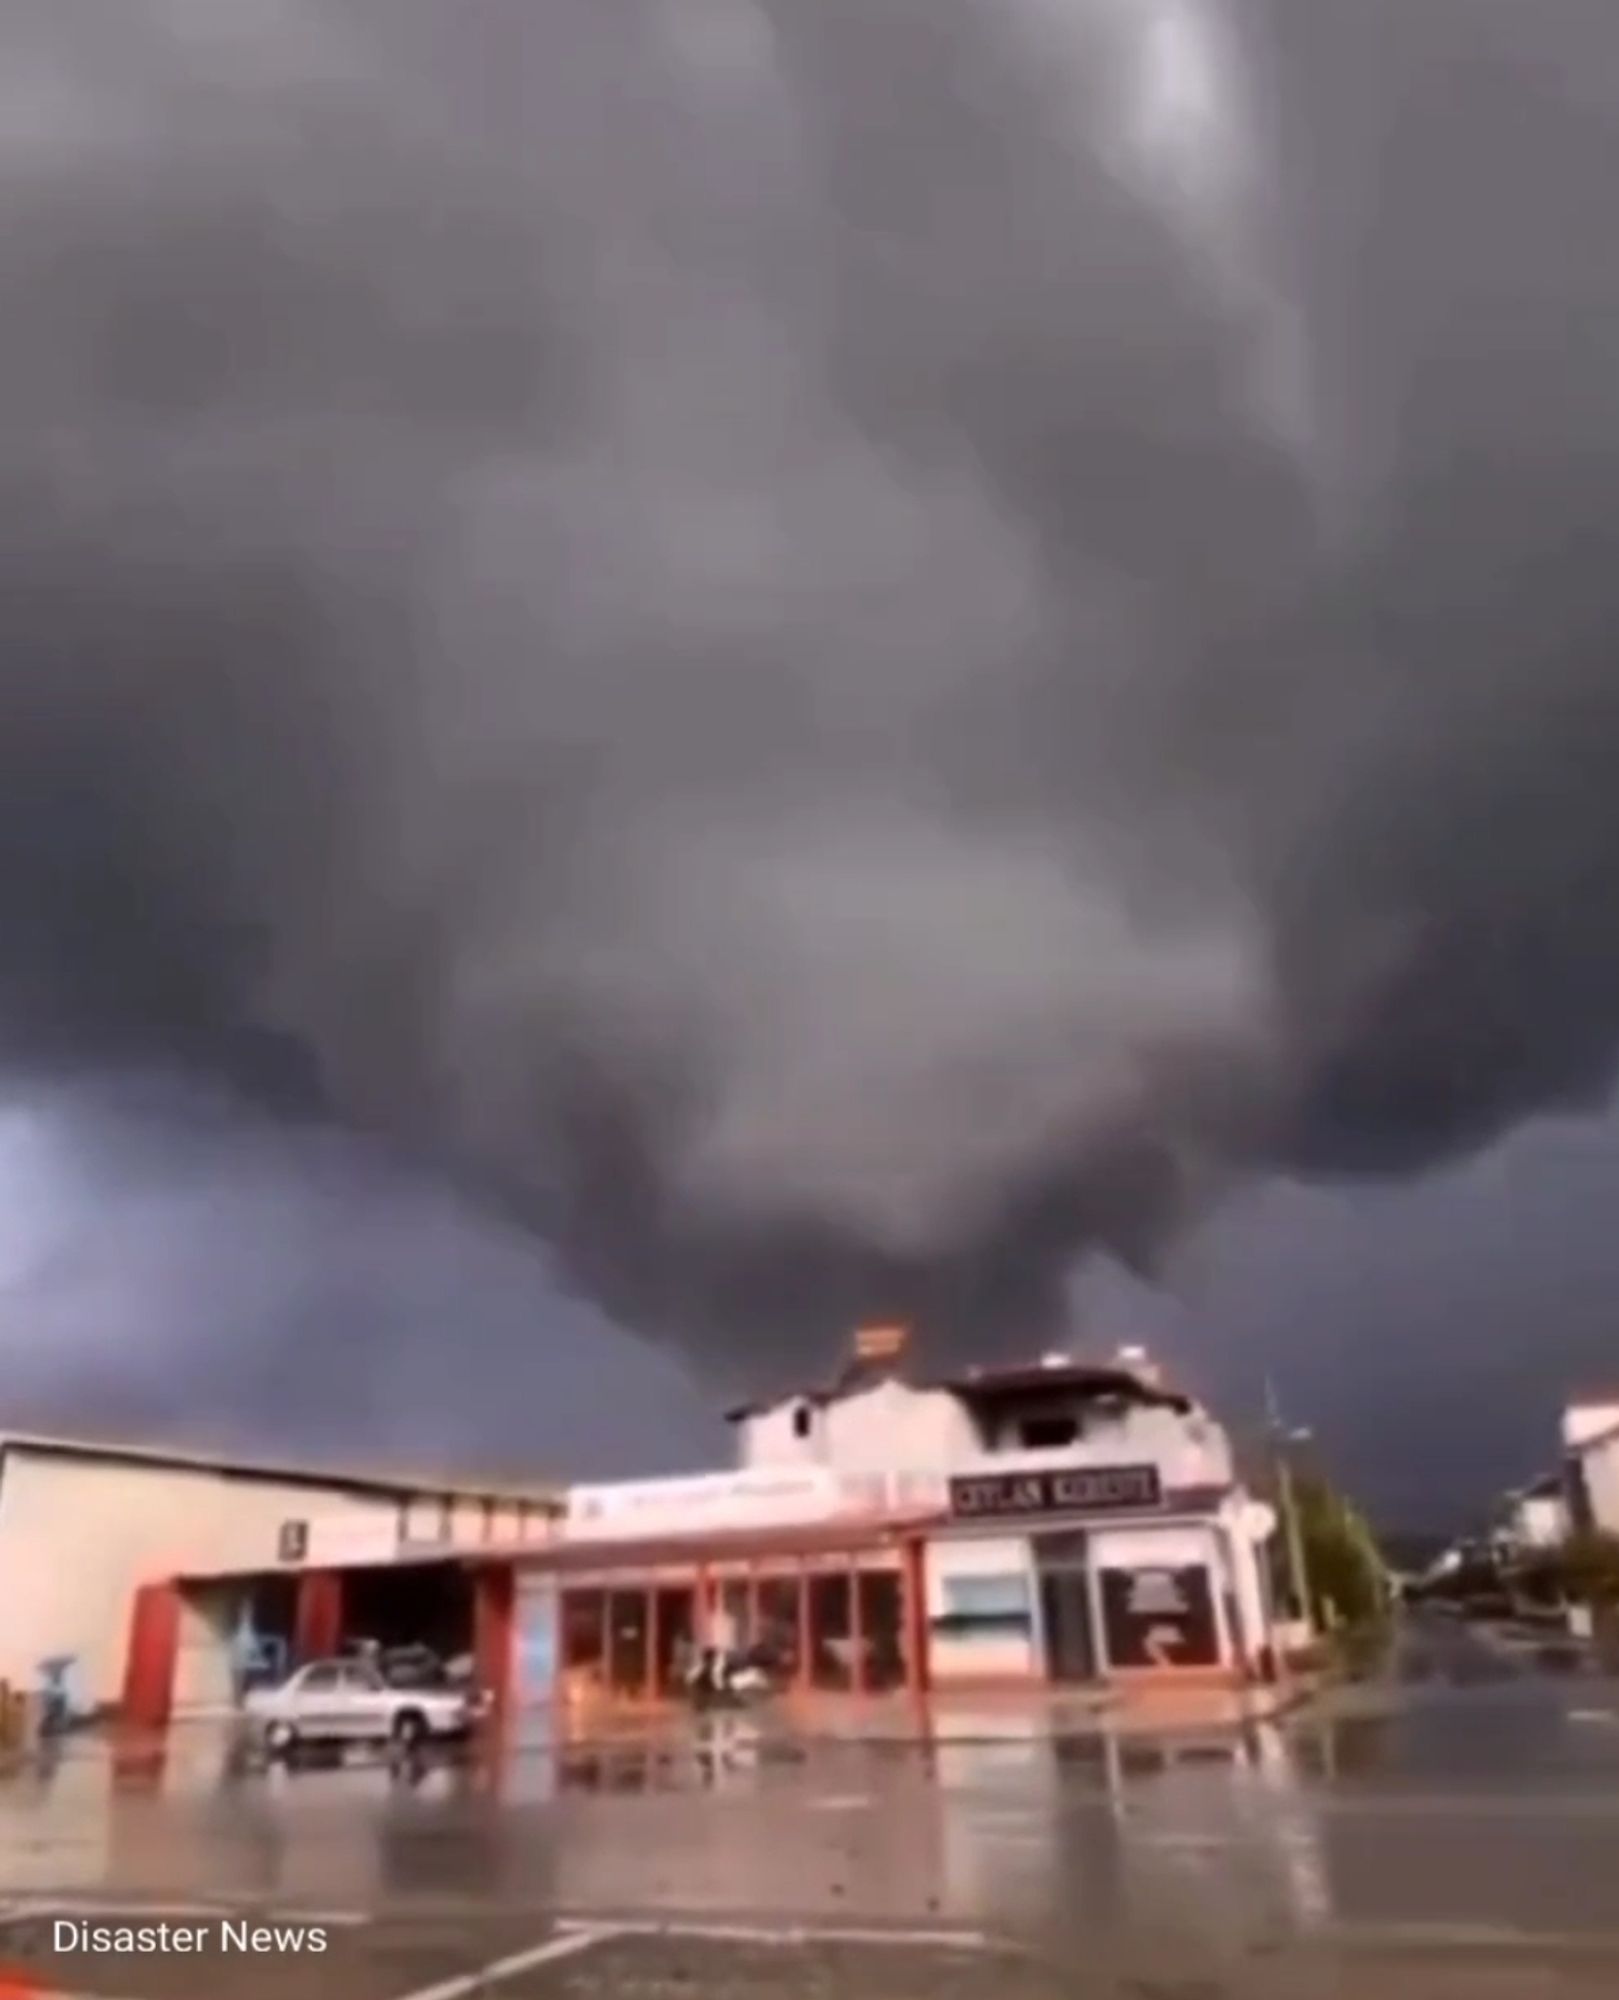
[(1287, 1500)]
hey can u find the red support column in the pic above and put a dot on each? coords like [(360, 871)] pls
[(652, 1690), (806, 1626), (317, 1628), (913, 1588), (154, 1652), (859, 1680), (703, 1612), (494, 1625)]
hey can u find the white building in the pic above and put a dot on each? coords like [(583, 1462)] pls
[(1534, 1519), (1591, 1456), (1090, 1520)]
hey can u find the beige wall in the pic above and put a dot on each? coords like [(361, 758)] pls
[(78, 1535), (886, 1427)]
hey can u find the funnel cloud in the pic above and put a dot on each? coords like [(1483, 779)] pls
[(837, 649)]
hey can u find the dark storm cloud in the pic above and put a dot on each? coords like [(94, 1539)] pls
[(838, 649), (166, 1271)]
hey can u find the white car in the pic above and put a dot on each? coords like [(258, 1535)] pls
[(336, 1701)]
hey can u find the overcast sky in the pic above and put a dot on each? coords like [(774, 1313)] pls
[(725, 665)]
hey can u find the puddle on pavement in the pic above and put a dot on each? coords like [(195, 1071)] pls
[(1462, 1803)]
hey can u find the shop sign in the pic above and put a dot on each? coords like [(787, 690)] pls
[(706, 1501), (336, 1541), (1159, 1617), (1008, 1496)]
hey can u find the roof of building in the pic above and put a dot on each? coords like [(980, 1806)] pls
[(1597, 1440), (376, 1480), (1086, 1377), (1549, 1486), (785, 1539), (983, 1385)]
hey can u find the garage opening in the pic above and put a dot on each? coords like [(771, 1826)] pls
[(265, 1628), (426, 1607), (272, 1613)]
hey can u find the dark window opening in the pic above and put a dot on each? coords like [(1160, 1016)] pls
[(882, 1629), (1047, 1433), (629, 1641), (776, 1625), (803, 1421), (675, 1630), (410, 1608), (832, 1661), (584, 1633)]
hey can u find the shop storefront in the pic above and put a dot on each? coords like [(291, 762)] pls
[(1074, 1575), (829, 1611)]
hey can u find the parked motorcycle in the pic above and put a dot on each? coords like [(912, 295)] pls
[(719, 1676)]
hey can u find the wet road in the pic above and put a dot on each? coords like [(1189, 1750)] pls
[(1469, 1805)]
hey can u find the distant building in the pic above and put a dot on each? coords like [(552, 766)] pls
[(1533, 1519)]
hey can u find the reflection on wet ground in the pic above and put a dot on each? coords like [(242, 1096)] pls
[(1470, 1798)]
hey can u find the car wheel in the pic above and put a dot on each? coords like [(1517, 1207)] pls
[(410, 1729), (280, 1739)]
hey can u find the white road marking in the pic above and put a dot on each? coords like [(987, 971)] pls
[(1185, 1843), (568, 1945), (1468, 1937), (938, 1937), (134, 1911), (1592, 1715)]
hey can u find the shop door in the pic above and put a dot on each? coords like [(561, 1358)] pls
[(1065, 1608), (676, 1615), (1065, 1613), (629, 1635)]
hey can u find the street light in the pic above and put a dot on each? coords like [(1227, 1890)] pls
[(1282, 1438)]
